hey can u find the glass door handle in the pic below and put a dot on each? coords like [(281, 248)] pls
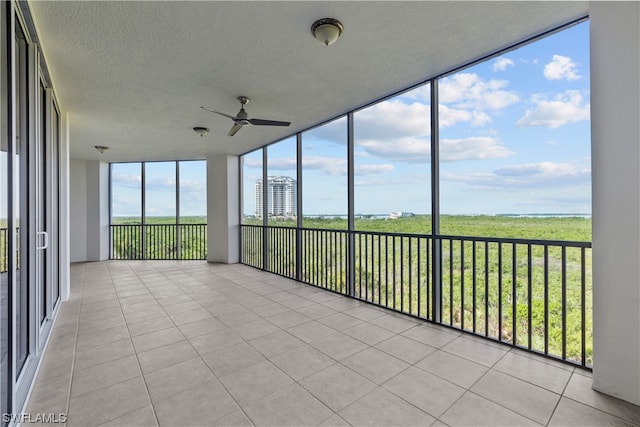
[(46, 239)]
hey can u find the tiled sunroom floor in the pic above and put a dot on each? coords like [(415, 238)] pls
[(191, 343)]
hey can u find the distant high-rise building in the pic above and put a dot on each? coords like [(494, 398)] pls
[(282, 196)]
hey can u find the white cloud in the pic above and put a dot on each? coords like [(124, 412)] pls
[(372, 169), (450, 116), (130, 181), (529, 175), (421, 93), (401, 181), (409, 150), (474, 148), (160, 184), (335, 131), (542, 169), (191, 186), (414, 150), (337, 166), (468, 90), (561, 67), (282, 163), (399, 131), (251, 162), (394, 119), (566, 107), (480, 118), (502, 63), (327, 165), (155, 184)]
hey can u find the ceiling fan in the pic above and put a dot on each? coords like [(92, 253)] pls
[(242, 118)]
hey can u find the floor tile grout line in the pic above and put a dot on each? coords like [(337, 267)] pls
[(153, 409), (467, 389), (220, 381), (268, 359), (336, 362), (495, 369), (541, 358), (199, 356), (563, 395), (75, 345), (342, 310), (377, 386), (492, 368), (602, 411)]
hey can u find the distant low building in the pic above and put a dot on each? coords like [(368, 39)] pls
[(395, 215)]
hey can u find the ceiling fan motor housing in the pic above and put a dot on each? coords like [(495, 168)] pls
[(242, 118)]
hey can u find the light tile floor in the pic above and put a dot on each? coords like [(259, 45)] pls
[(191, 343)]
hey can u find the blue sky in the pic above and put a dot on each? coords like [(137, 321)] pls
[(160, 183), (514, 138)]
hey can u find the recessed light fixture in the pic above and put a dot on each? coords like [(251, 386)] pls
[(327, 30), (201, 131), (101, 148)]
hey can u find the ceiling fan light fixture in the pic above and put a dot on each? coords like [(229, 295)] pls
[(101, 148), (201, 131), (327, 30), (242, 118)]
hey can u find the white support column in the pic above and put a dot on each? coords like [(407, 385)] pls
[(615, 113), (223, 210), (97, 211), (64, 214), (78, 210)]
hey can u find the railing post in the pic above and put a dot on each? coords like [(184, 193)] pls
[(177, 232), (299, 213), (436, 252), (351, 247), (178, 244), (265, 211)]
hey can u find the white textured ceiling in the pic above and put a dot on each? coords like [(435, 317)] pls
[(132, 75)]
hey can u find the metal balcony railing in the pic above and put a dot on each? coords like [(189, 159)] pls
[(531, 294), (158, 242)]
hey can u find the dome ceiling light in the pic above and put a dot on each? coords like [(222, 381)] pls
[(327, 30), (201, 131)]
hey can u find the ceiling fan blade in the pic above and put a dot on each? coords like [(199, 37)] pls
[(234, 130), (262, 122), (218, 112)]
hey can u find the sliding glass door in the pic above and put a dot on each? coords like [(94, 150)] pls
[(5, 189), (21, 197), (29, 205)]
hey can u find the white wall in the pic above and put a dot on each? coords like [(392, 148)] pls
[(89, 211), (64, 213), (97, 211), (78, 210), (615, 117), (223, 213)]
